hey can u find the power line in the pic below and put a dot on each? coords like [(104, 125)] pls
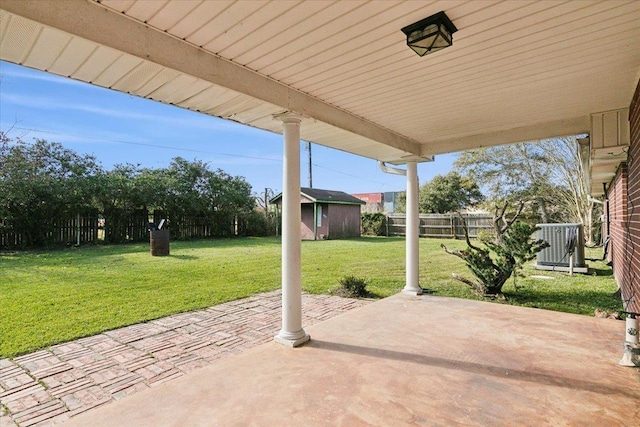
[(348, 174), (122, 141)]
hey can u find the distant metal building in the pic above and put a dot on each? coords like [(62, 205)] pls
[(328, 214), (374, 201), (379, 202), (391, 200)]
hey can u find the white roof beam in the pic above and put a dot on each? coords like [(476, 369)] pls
[(552, 129)]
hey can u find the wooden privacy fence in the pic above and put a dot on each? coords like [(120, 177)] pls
[(80, 229), (441, 225), (197, 227), (125, 226), (118, 226)]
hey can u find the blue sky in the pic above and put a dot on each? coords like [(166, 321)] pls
[(120, 128)]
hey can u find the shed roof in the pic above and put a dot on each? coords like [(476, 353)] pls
[(325, 196)]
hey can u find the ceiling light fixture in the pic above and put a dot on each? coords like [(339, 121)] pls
[(430, 34)]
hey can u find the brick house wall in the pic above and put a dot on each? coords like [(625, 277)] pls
[(617, 199), (624, 215)]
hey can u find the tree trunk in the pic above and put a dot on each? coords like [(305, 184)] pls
[(544, 216), (588, 226)]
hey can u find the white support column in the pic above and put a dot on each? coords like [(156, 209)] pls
[(412, 285), (291, 333)]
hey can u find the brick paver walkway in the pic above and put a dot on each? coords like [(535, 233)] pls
[(48, 386)]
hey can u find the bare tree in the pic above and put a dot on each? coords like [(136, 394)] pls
[(549, 174), (568, 169)]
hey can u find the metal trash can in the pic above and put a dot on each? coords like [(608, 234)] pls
[(159, 242)]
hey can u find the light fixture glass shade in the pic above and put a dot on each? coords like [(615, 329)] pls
[(430, 34)]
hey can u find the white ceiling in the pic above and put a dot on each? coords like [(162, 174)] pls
[(517, 70)]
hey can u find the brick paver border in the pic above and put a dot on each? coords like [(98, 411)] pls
[(51, 385)]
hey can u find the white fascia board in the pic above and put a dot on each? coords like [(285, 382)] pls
[(553, 129), (91, 21)]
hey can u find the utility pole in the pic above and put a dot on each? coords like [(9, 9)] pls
[(310, 170)]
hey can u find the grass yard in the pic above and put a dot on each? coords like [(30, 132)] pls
[(57, 296)]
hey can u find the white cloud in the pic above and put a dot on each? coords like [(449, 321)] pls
[(196, 120), (254, 159), (64, 133), (16, 72)]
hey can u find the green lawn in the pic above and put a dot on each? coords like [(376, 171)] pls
[(56, 296)]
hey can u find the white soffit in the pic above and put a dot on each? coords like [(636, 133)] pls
[(517, 71)]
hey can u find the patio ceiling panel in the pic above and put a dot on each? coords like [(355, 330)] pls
[(347, 55), (184, 18), (116, 71), (379, 47), (332, 31), (257, 114), (229, 36), (236, 106), (527, 74), (517, 71), (96, 64), (144, 78), (73, 56), (301, 20), (228, 97), (17, 34), (344, 25), (178, 89), (44, 53), (474, 72), (367, 49), (207, 99), (516, 67)]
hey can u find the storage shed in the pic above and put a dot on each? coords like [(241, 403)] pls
[(328, 214)]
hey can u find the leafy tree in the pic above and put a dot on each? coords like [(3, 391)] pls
[(42, 184), (193, 190), (401, 203), (448, 193), (186, 190), (121, 194), (444, 193)]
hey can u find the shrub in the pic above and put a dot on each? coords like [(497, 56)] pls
[(493, 265), (255, 224), (373, 224), (485, 236), (352, 287)]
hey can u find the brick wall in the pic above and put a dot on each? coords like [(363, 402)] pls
[(624, 207), (617, 221)]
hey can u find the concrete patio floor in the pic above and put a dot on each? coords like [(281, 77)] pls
[(408, 360)]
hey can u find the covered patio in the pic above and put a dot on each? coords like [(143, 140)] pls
[(407, 360), (340, 74)]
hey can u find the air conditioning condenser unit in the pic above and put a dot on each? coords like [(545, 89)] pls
[(562, 239)]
